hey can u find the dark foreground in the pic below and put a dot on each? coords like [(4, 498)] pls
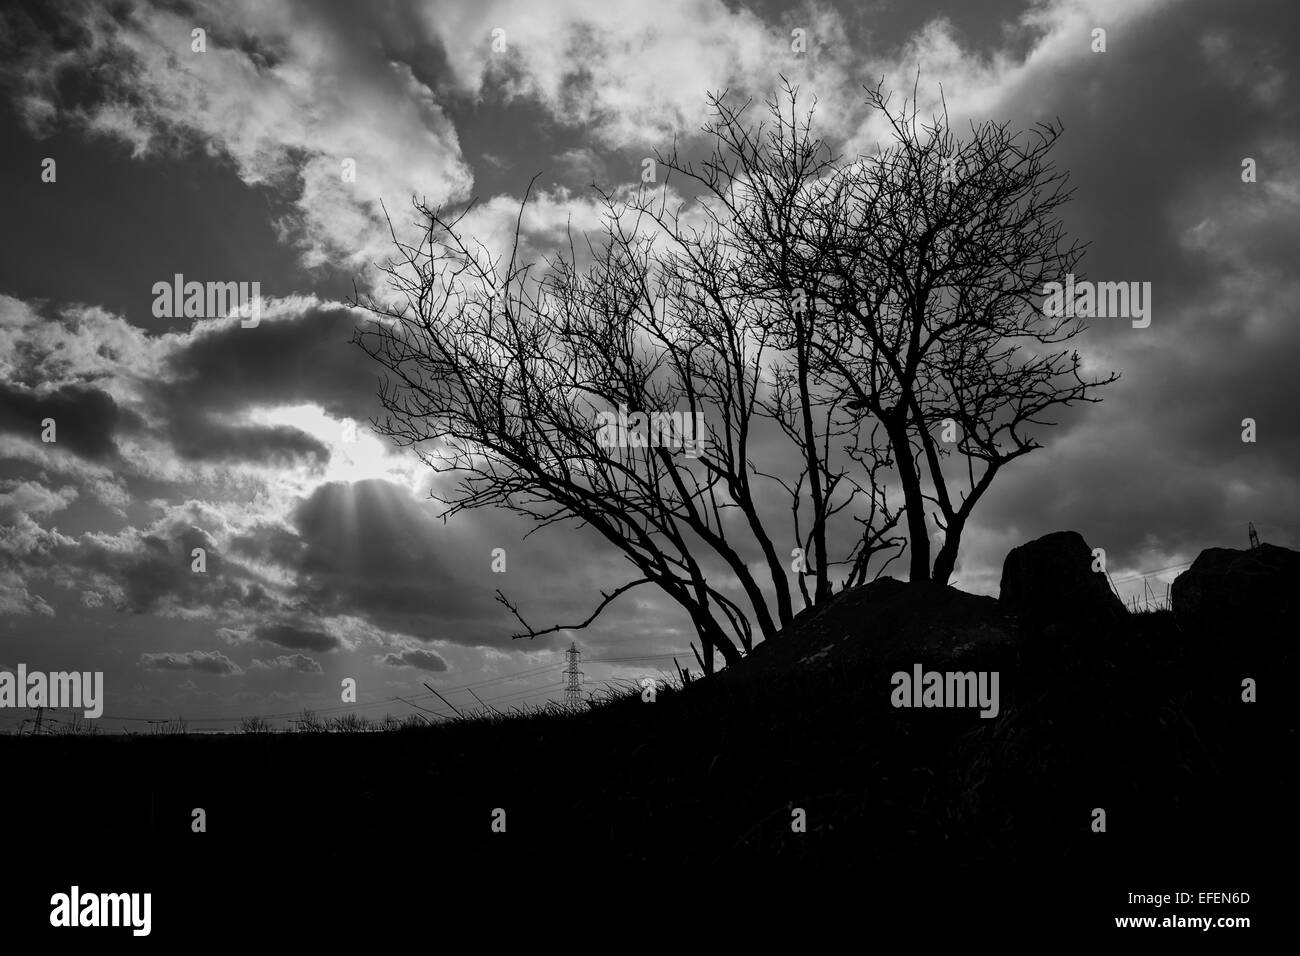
[(652, 818)]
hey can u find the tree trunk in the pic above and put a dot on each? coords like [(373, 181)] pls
[(914, 503), (725, 645), (822, 590), (946, 560), (712, 636)]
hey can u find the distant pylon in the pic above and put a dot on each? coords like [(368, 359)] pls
[(573, 690), (1254, 536)]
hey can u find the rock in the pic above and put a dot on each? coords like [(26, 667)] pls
[(1236, 593), (887, 624), (1050, 581)]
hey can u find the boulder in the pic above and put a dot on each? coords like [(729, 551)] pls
[(1049, 581), (1235, 593)]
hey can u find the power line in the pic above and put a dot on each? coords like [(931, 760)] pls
[(1137, 576)]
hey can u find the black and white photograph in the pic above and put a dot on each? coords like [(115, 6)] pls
[(664, 473)]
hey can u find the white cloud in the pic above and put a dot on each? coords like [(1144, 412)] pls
[(16, 599), (75, 344), (287, 120), (633, 74), (28, 497), (299, 663)]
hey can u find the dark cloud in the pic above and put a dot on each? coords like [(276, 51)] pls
[(424, 660), (1155, 133), (86, 418), (205, 662), (207, 438), (138, 572), (38, 24), (266, 542), (370, 549), (156, 573), (289, 359), (285, 360), (296, 638)]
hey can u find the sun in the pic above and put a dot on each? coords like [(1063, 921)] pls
[(356, 453)]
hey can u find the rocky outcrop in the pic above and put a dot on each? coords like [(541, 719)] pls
[(1231, 593), (1049, 581), (888, 623)]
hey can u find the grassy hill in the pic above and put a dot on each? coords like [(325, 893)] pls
[(700, 786)]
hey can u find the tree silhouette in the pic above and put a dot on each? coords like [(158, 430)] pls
[(507, 375), (840, 330), (912, 277)]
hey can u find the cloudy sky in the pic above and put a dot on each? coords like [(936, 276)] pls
[(326, 558)]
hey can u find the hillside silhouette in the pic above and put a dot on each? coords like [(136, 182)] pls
[(1142, 717)]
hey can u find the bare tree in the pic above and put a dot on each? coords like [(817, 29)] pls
[(913, 275), (831, 325), (520, 380)]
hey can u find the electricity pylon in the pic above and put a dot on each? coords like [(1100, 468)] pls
[(573, 690)]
